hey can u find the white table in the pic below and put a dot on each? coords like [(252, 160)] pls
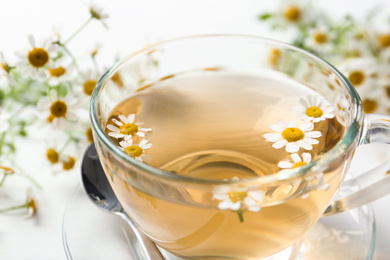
[(131, 25)]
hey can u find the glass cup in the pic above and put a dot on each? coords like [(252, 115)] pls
[(200, 218)]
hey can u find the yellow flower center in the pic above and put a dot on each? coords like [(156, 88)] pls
[(134, 151), (236, 196), (356, 77), (88, 86), (50, 118), (30, 204), (292, 13), (69, 164), (117, 79), (298, 164), (95, 14), (89, 135), (57, 72), (128, 129), (58, 108), (369, 106), (4, 67), (38, 57), (274, 57), (320, 38), (314, 112), (384, 40), (292, 134), (388, 91), (52, 155)]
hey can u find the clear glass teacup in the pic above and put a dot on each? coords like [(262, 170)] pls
[(230, 146)]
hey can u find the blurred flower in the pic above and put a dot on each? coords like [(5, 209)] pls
[(297, 161), (89, 80), (34, 60), (58, 73), (97, 13), (361, 72), (68, 162), (320, 40), (60, 111), (5, 70)]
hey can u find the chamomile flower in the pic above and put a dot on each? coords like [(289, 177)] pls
[(89, 80), (67, 162), (126, 128), (137, 151), (297, 161), (59, 73), (5, 70), (320, 40), (97, 13), (314, 109), (60, 110), (237, 197), (293, 136), (34, 60), (361, 72)]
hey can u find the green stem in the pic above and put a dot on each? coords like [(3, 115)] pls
[(2, 139), (3, 179), (76, 32), (33, 181), (13, 208), (240, 215)]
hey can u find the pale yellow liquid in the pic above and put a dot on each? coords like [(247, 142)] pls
[(211, 125)]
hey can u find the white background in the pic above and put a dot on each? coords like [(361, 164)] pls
[(132, 24)]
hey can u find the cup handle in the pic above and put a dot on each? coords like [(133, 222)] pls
[(376, 128)]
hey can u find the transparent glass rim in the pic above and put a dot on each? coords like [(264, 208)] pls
[(353, 130)]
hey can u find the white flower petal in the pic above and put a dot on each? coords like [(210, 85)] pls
[(313, 134), (256, 195), (279, 144), (236, 206), (306, 157), (285, 165), (31, 40), (309, 140), (115, 135), (130, 118), (118, 123), (113, 128), (123, 119), (226, 204), (277, 128), (292, 147), (296, 158), (273, 137), (306, 126), (43, 104), (305, 145)]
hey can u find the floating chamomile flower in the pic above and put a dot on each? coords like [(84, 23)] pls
[(60, 109), (297, 161), (127, 128), (314, 109), (137, 151), (34, 60), (293, 136), (238, 198)]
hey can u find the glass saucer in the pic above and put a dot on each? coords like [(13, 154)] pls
[(90, 233)]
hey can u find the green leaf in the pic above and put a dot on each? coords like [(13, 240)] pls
[(265, 16)]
